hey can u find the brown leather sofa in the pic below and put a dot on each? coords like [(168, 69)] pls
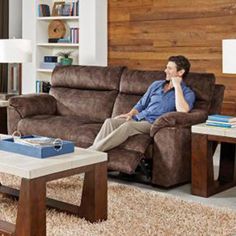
[(81, 98)]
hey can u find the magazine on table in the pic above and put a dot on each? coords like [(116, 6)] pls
[(39, 141)]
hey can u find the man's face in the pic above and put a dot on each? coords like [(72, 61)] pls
[(171, 71)]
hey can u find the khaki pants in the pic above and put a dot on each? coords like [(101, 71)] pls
[(116, 131)]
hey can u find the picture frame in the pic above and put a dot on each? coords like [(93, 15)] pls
[(57, 8)]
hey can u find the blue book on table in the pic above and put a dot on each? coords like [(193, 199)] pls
[(222, 118), (225, 125)]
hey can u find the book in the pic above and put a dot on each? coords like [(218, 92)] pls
[(220, 122), (43, 10), (222, 118), (225, 125)]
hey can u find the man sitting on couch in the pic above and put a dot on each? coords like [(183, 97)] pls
[(161, 97)]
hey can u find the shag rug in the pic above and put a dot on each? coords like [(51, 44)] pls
[(131, 211)]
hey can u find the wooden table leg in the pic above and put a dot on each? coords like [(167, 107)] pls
[(202, 165), (203, 183), (227, 172), (31, 214), (94, 196)]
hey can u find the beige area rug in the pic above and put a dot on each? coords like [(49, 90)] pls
[(131, 211)]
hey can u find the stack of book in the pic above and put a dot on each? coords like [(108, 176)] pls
[(74, 35), (43, 10), (221, 121), (42, 86)]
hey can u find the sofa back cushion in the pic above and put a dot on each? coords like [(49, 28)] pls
[(88, 92), (134, 84), (203, 85)]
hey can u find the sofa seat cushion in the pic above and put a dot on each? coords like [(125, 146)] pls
[(122, 160), (65, 127)]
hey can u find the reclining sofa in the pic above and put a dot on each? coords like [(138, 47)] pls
[(82, 97)]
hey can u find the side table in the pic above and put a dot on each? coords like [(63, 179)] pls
[(3, 116), (204, 141)]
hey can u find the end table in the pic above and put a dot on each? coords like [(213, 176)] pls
[(3, 116), (204, 141)]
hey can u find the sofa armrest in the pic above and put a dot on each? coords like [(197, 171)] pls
[(178, 119), (33, 104)]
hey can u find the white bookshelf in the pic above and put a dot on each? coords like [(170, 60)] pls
[(92, 46)]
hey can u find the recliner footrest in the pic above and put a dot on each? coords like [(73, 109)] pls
[(123, 160)]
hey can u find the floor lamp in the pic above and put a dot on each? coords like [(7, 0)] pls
[(229, 56), (16, 51)]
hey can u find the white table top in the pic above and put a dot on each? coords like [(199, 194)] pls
[(213, 130), (30, 167)]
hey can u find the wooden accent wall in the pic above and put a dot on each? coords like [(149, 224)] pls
[(144, 33)]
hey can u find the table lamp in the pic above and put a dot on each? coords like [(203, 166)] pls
[(16, 51), (229, 56)]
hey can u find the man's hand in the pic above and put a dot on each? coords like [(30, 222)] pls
[(176, 81), (126, 116)]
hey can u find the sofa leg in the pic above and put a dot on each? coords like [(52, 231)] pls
[(145, 168)]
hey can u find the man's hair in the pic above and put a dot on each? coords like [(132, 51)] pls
[(181, 63)]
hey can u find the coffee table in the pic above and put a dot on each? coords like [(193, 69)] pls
[(31, 214)]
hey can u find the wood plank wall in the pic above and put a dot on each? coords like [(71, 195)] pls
[(144, 33)]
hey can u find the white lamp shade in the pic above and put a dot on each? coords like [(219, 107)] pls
[(15, 51), (229, 56)]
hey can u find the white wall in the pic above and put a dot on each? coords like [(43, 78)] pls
[(15, 26), (15, 18), (93, 32), (29, 32)]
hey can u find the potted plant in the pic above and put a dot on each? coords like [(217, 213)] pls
[(65, 59)]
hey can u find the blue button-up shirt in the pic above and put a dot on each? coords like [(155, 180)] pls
[(156, 102)]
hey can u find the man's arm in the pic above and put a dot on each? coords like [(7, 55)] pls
[(180, 102), (129, 115)]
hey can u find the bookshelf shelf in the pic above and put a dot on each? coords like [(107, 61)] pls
[(58, 44), (44, 70), (48, 18)]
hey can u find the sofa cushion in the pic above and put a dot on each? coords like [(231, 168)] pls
[(203, 85), (124, 103), (137, 82), (66, 127), (91, 105), (87, 77)]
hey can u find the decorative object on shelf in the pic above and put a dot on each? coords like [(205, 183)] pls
[(65, 60), (56, 29), (16, 51), (50, 59), (66, 9), (228, 56), (57, 8)]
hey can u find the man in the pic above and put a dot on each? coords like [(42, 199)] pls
[(161, 97)]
